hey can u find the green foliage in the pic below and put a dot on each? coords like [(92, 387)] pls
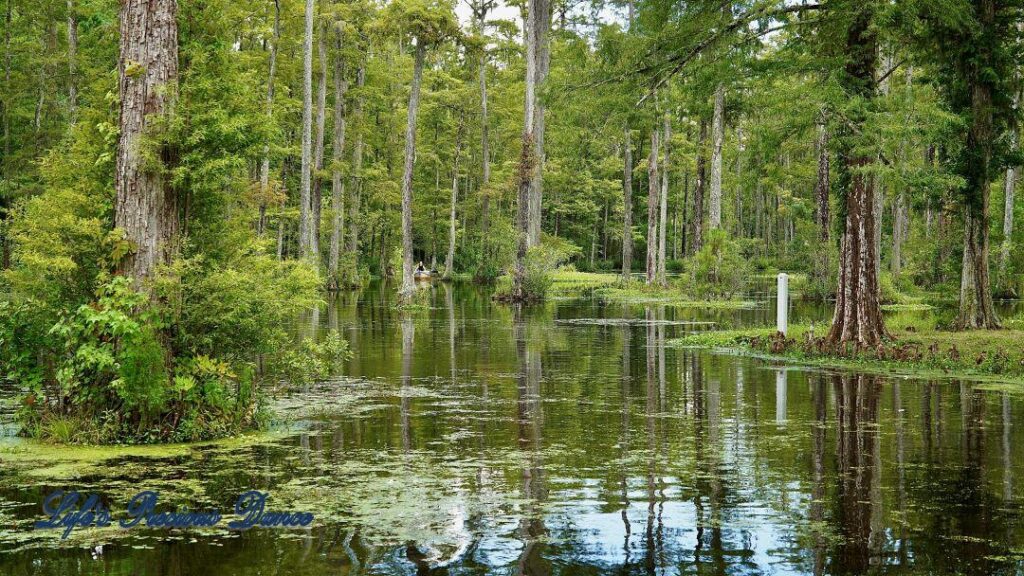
[(541, 261), (717, 270), (235, 309), (313, 361)]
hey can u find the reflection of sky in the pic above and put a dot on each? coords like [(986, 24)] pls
[(581, 530)]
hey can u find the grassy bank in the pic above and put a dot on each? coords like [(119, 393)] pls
[(610, 288), (915, 349), (638, 293), (568, 282)]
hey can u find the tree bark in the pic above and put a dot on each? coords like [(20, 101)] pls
[(523, 214), (449, 259), (698, 189), (72, 62), (717, 136), (316, 198), (627, 213), (356, 171), (1009, 191), (305, 228), (663, 219), (265, 163), (280, 217), (1009, 194), (485, 143), (740, 232), (146, 205), (410, 158), (684, 216), (821, 188), (653, 187), (541, 53), (528, 162), (976, 308), (337, 178), (858, 315), (822, 210), (878, 211), (280, 234), (900, 223), (900, 211)]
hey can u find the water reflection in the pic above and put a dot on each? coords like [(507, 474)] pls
[(470, 438)]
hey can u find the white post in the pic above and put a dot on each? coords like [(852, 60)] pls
[(781, 388), (782, 306)]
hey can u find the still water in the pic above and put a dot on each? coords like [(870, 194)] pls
[(570, 438)]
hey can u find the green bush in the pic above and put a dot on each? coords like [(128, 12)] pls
[(541, 261), (718, 269)]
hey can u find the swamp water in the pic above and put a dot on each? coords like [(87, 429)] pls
[(568, 438)]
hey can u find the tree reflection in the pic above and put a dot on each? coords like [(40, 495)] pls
[(530, 423), (856, 398), (408, 332)]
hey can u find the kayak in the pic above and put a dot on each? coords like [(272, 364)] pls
[(424, 275)]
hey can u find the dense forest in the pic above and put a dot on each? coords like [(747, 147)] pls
[(180, 180)]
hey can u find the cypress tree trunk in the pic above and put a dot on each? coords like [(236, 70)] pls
[(627, 213), (541, 54), (280, 234), (410, 157), (528, 162), (684, 215), (858, 315), (900, 223), (485, 143), (355, 184), (337, 179), (72, 63), (717, 137), (698, 190), (740, 232), (822, 210), (316, 198), (146, 205), (653, 187), (305, 231), (878, 211), (901, 212), (663, 219), (265, 163), (449, 259), (976, 309), (280, 217), (1009, 193), (821, 186)]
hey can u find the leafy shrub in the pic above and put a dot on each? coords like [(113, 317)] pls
[(541, 261), (717, 270), (313, 361), (181, 363)]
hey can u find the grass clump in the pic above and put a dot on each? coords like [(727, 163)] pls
[(675, 295), (916, 347), (567, 281)]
